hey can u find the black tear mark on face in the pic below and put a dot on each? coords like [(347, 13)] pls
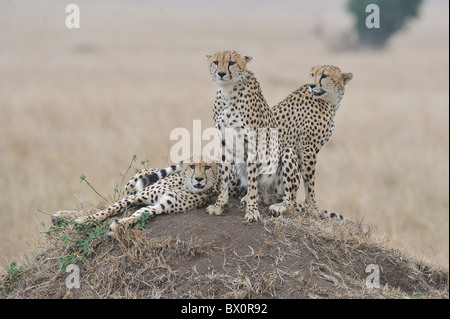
[(323, 76)]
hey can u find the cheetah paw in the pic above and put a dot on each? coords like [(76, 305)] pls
[(276, 210), (64, 214), (113, 227), (244, 200), (214, 210), (252, 215)]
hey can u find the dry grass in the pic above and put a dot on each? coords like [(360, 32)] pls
[(83, 101)]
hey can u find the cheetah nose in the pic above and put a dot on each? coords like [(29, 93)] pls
[(312, 86), (221, 74), (199, 179)]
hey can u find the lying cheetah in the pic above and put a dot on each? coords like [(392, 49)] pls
[(176, 189), (306, 117), (241, 108)]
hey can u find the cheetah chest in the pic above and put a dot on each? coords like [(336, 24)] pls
[(230, 118)]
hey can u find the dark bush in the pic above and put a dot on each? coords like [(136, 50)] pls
[(394, 15)]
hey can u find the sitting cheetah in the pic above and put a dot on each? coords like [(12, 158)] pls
[(241, 108), (306, 117)]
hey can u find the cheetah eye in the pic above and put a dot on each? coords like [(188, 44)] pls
[(324, 76), (312, 75), (207, 167), (231, 63), (192, 166), (216, 62)]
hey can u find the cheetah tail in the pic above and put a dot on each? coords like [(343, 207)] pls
[(153, 178), (333, 215)]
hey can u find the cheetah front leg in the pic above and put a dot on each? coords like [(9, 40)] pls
[(251, 211), (222, 199), (171, 202), (290, 183), (224, 174), (308, 160)]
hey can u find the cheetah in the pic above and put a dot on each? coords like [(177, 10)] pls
[(176, 189), (241, 108), (306, 117)]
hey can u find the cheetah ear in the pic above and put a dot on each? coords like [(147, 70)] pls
[(247, 58), (347, 77), (209, 56)]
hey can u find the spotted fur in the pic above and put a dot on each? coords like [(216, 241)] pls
[(147, 177), (241, 107), (178, 188), (306, 117)]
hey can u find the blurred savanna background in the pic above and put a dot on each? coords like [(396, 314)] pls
[(82, 102)]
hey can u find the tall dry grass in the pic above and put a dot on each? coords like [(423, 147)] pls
[(84, 101)]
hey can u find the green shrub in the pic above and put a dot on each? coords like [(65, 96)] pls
[(394, 15)]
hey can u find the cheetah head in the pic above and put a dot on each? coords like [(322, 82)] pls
[(199, 176), (328, 82), (227, 67)]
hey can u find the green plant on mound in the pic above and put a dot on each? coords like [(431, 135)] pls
[(14, 271), (144, 220), (417, 295), (80, 239)]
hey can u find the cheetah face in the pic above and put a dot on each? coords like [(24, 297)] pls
[(199, 177), (328, 82), (227, 67)]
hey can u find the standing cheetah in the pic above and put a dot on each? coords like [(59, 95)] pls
[(306, 117), (241, 108)]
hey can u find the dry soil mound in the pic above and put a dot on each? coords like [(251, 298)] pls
[(194, 255)]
